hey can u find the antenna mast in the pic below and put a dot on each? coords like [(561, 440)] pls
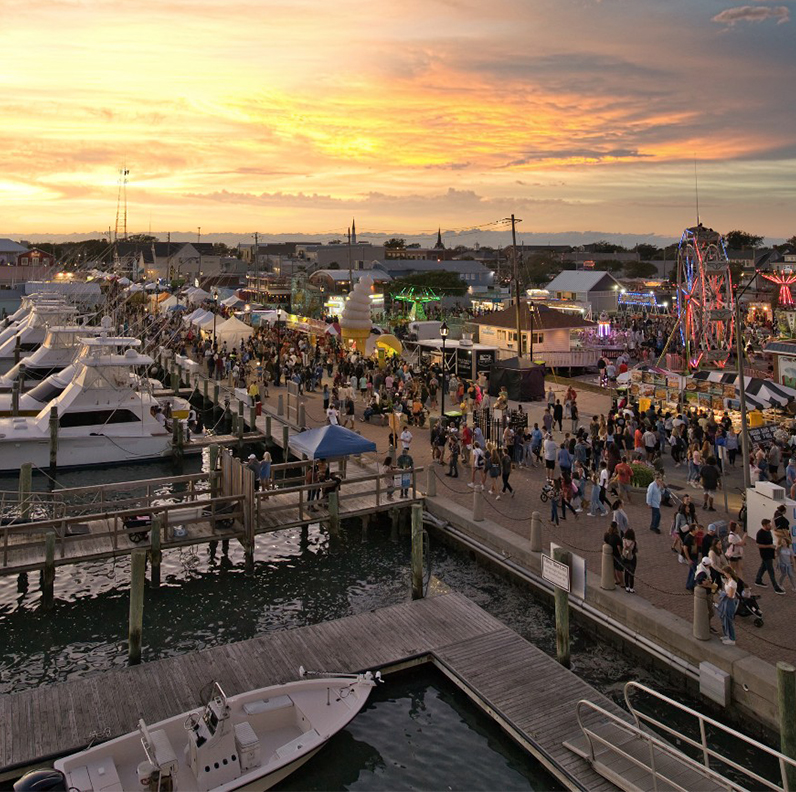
[(121, 204), (696, 188)]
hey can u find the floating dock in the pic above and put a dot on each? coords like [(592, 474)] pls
[(528, 693)]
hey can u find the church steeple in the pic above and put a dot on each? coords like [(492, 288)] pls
[(439, 245), (353, 231)]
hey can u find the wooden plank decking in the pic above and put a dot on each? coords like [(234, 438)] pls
[(529, 692)]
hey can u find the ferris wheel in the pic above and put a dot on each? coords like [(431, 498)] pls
[(704, 298)]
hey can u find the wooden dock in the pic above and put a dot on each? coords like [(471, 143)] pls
[(530, 694)]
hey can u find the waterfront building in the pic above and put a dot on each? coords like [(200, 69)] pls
[(600, 289)]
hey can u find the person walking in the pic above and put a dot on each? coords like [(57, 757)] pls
[(453, 457), (785, 558), (595, 503), (654, 495), (405, 464), (558, 415), (629, 559), (265, 471), (564, 488), (736, 541), (550, 453), (620, 517), (505, 462), (765, 546), (614, 541), (710, 480), (479, 465), (494, 472)]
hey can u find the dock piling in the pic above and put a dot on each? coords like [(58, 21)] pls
[(786, 701), (205, 398), (302, 415), (267, 429), (213, 451), (215, 393), (17, 351), (394, 523), (241, 427), (701, 620), (155, 553), (286, 441), (253, 418), (53, 442), (25, 487), (365, 525), (607, 569), (562, 612), (15, 398), (417, 551), (135, 627), (280, 404), (334, 512), (536, 532), (48, 573)]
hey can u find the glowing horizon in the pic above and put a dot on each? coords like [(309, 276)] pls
[(284, 116)]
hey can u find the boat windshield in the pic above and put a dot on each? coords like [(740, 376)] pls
[(46, 391)]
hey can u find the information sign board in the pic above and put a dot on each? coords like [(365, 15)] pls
[(555, 572)]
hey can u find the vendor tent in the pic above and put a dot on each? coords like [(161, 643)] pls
[(197, 296), (233, 302), (327, 442), (201, 317), (233, 331), (760, 393), (169, 302), (206, 322), (523, 380)]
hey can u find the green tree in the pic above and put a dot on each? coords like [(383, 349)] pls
[(640, 269), (791, 242), (395, 243), (603, 246), (142, 239), (443, 283), (610, 265), (738, 240), (646, 252), (539, 268)]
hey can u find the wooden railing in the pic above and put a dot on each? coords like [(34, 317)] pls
[(210, 510)]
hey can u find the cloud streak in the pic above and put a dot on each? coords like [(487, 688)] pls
[(733, 16)]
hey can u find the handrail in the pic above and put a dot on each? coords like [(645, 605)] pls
[(707, 751), (60, 492), (654, 742)]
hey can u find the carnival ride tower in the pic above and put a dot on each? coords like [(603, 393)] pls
[(705, 301)]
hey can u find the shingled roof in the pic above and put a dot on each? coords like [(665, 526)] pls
[(544, 318)]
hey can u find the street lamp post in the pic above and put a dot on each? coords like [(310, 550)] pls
[(215, 313), (443, 331), (278, 372)]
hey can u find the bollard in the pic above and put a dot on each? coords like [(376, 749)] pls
[(25, 487), (607, 582), (417, 551), (48, 574), (701, 621), (135, 626), (286, 441), (302, 415), (214, 448), (478, 505), (280, 404), (431, 482), (53, 442), (334, 512), (786, 700), (536, 532), (562, 612), (155, 554)]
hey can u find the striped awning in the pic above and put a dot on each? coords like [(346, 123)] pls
[(760, 393)]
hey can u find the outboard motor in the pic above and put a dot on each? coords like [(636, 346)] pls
[(37, 780)]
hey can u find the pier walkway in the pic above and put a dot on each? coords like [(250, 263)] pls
[(532, 696)]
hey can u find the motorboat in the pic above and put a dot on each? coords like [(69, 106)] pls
[(104, 417), (253, 741), (59, 348), (21, 339)]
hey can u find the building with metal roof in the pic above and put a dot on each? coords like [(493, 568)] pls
[(600, 289)]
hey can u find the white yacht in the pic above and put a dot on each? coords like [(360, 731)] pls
[(58, 350), (31, 331), (104, 416)]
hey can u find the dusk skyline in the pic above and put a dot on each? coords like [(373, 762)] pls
[(294, 117)]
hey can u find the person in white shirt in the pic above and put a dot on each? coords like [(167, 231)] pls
[(406, 439), (550, 454), (332, 415)]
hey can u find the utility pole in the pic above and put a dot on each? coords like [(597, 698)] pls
[(257, 265), (198, 234), (350, 273), (516, 285)]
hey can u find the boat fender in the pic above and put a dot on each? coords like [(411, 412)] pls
[(48, 779)]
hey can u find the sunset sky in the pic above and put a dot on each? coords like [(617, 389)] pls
[(294, 116)]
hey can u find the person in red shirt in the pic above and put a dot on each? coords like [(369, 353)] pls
[(624, 474)]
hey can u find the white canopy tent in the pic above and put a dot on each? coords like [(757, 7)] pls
[(206, 322), (197, 296), (233, 331), (200, 318), (233, 302)]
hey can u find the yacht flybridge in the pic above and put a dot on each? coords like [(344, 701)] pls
[(29, 333), (106, 414)]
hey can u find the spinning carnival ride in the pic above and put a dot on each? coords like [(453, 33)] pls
[(704, 298)]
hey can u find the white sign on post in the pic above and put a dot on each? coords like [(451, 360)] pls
[(555, 572), (577, 572)]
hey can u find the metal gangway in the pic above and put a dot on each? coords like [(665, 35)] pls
[(642, 752)]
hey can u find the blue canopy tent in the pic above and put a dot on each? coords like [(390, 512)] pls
[(328, 442)]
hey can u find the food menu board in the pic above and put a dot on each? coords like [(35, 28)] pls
[(671, 389)]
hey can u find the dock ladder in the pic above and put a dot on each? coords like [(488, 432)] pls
[(703, 754)]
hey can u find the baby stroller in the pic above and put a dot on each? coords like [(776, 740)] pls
[(547, 492), (747, 606)]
